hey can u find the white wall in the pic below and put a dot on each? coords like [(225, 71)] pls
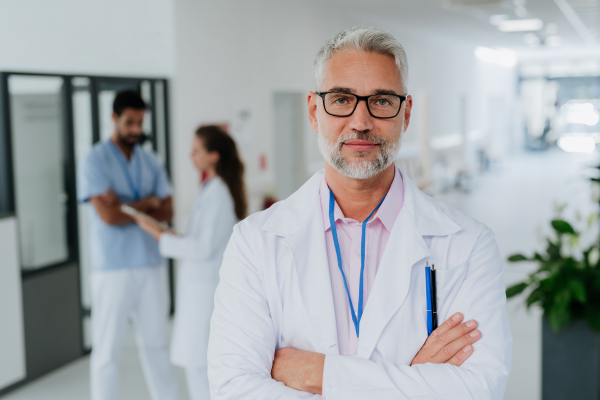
[(12, 341), (109, 37)]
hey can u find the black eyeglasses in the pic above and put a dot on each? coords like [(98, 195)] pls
[(340, 104)]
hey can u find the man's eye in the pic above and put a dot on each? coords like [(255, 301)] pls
[(382, 102), (340, 100)]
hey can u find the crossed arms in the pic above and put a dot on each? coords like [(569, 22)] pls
[(244, 361), (108, 205)]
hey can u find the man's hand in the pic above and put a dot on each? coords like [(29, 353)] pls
[(147, 204), (110, 199), (298, 369), (450, 343)]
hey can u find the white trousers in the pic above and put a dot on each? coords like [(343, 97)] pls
[(139, 294), (197, 383)]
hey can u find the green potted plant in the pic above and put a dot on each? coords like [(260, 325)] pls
[(566, 285)]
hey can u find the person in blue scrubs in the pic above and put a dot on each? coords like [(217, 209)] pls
[(129, 280)]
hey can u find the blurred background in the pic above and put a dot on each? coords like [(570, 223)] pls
[(505, 128)]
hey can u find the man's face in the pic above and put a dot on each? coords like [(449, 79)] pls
[(359, 146), (128, 126)]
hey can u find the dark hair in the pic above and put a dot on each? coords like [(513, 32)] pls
[(128, 99), (229, 167)]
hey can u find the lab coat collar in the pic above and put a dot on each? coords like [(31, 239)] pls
[(299, 221), (294, 213)]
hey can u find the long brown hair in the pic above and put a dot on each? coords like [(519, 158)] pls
[(229, 167)]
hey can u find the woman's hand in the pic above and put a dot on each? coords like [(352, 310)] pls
[(150, 227)]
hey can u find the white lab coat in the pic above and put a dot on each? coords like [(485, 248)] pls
[(200, 253), (275, 291)]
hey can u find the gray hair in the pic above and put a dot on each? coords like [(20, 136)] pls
[(371, 40)]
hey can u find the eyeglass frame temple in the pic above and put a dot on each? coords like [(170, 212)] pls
[(358, 99)]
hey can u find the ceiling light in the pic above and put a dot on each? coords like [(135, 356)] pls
[(505, 58), (553, 41), (521, 25), (532, 39), (577, 143), (580, 113)]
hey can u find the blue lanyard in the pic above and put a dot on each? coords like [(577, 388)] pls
[(362, 258), (121, 160)]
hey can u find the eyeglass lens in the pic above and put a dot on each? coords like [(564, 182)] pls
[(343, 104)]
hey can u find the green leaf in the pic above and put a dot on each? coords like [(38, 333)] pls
[(535, 296), (517, 258), (578, 291), (538, 257), (561, 226), (558, 318), (516, 289)]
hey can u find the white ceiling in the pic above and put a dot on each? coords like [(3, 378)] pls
[(576, 22)]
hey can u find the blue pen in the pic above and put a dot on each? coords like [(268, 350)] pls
[(428, 295)]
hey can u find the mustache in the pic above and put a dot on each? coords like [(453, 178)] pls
[(356, 135)]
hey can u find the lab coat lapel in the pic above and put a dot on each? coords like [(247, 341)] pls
[(420, 216), (312, 266), (299, 220), (404, 248)]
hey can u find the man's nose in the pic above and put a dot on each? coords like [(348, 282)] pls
[(361, 119)]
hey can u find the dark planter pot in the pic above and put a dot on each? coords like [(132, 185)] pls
[(570, 363)]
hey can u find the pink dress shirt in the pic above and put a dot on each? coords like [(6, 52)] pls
[(349, 236)]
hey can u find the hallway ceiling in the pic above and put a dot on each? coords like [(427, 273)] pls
[(576, 23)]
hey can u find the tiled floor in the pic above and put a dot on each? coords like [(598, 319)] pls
[(515, 199)]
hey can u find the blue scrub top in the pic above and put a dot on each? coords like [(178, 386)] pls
[(122, 246)]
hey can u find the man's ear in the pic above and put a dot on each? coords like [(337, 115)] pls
[(408, 103), (115, 117), (312, 101)]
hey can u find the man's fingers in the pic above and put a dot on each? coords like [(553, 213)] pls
[(461, 356), (451, 349), (450, 323), (453, 334)]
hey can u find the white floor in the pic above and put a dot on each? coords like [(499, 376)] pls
[(72, 382), (516, 200)]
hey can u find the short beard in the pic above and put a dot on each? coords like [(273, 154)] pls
[(362, 169), (125, 142)]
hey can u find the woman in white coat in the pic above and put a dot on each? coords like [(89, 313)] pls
[(219, 205)]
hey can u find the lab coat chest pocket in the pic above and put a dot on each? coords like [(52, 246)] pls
[(448, 283)]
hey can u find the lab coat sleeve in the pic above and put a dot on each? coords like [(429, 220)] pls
[(216, 223), (481, 377), (243, 339)]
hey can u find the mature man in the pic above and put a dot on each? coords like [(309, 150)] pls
[(128, 278), (289, 320)]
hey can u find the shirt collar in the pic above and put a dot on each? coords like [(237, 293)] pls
[(387, 213)]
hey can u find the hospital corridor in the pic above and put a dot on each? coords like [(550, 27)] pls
[(196, 203)]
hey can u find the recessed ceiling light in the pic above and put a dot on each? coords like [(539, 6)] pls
[(521, 25)]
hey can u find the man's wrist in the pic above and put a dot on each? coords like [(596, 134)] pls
[(314, 382)]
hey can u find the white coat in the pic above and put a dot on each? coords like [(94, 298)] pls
[(275, 291), (200, 253)]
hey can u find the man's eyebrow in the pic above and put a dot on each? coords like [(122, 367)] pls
[(341, 89), (348, 90), (384, 91)]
